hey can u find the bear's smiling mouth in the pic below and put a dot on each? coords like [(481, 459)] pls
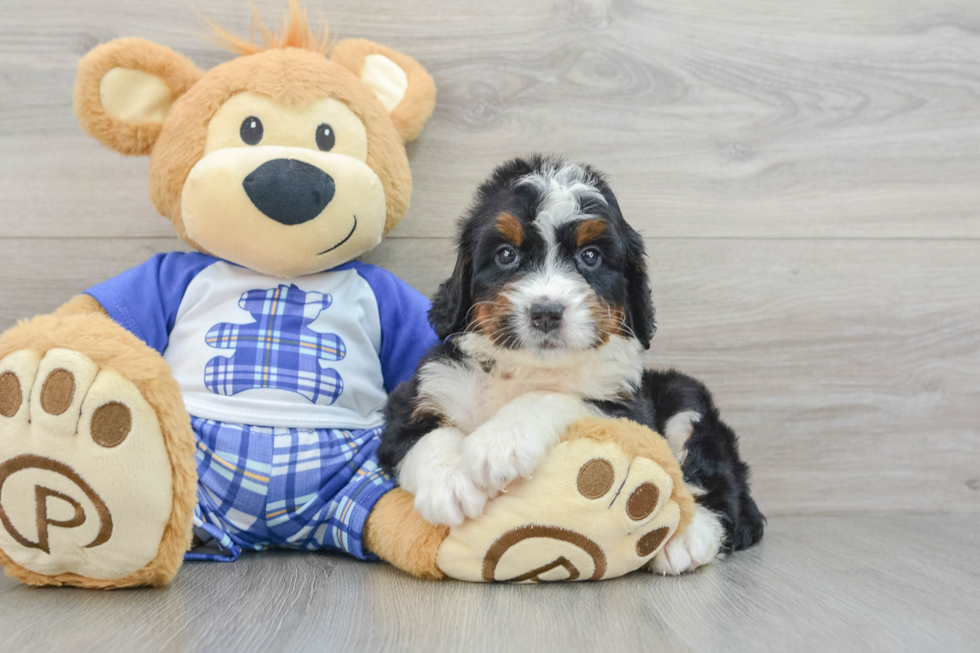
[(346, 238)]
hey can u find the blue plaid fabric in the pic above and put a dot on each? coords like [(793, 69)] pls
[(278, 350), (296, 488)]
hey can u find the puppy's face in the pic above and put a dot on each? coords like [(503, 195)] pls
[(546, 264)]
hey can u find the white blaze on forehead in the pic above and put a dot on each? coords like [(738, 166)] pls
[(562, 190), (555, 281)]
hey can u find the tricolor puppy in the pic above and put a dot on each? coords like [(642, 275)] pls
[(544, 321)]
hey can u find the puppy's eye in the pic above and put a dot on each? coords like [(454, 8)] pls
[(506, 257), (251, 131), (325, 139), (590, 258)]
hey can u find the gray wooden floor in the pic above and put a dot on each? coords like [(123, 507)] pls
[(807, 178), (873, 582)]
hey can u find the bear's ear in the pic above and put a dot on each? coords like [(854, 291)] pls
[(125, 89), (401, 83)]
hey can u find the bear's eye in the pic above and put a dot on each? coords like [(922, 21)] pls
[(325, 140), (251, 130)]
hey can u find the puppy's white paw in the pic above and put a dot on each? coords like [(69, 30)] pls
[(447, 495), (501, 451), (695, 547), (433, 471)]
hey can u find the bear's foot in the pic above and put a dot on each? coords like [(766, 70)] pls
[(601, 504), (87, 488)]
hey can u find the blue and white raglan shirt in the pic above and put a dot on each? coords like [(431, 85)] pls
[(286, 382)]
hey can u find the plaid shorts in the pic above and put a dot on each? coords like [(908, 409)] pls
[(266, 486)]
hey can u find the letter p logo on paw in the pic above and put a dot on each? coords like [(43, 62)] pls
[(44, 518)]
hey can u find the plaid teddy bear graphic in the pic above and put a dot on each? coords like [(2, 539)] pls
[(278, 350)]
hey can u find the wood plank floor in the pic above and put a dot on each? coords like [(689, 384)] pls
[(858, 583), (807, 179)]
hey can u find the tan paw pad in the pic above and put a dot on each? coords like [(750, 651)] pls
[(17, 372), (85, 481), (63, 379), (590, 512)]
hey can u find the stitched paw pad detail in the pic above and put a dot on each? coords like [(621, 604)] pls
[(85, 480), (590, 511), (278, 350)]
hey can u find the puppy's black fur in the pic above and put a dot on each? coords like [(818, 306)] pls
[(711, 461), (473, 279)]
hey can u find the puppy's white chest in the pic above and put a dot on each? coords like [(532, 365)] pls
[(502, 387), (468, 394)]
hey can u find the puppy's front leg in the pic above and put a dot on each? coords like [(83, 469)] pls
[(509, 445), (433, 471)]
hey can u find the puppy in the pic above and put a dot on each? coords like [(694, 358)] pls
[(544, 321)]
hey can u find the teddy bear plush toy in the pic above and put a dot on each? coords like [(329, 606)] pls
[(231, 398)]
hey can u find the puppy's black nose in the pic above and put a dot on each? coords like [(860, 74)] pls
[(289, 191), (546, 316)]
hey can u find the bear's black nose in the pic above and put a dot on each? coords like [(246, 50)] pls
[(289, 191)]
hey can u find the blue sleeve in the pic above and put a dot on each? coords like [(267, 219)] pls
[(145, 299), (405, 332)]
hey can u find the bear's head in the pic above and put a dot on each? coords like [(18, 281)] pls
[(283, 160)]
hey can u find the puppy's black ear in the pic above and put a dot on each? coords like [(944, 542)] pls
[(452, 301), (639, 309)]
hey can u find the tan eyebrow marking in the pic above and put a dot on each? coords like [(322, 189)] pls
[(510, 228), (589, 230)]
